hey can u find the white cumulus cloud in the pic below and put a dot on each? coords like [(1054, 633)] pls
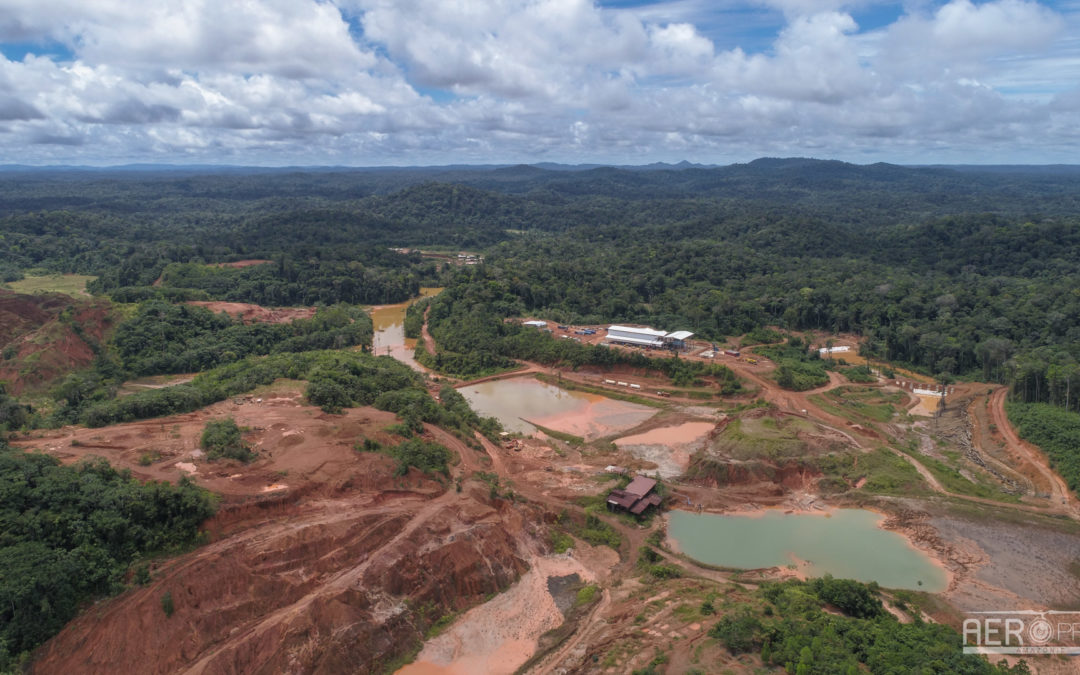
[(428, 81)]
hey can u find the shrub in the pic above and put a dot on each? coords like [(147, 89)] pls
[(221, 438), (167, 605), (142, 575), (415, 452), (739, 633)]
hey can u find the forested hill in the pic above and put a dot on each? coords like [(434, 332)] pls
[(963, 270), (933, 190)]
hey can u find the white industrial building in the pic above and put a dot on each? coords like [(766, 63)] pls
[(647, 337)]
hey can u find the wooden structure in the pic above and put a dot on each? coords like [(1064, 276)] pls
[(635, 497)]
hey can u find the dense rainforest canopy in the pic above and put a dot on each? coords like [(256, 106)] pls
[(961, 271)]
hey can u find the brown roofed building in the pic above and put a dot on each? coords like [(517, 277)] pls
[(636, 497)]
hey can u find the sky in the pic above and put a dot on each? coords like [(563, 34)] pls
[(433, 82)]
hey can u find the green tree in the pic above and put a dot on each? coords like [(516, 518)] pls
[(222, 438)]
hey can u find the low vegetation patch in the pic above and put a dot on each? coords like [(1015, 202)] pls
[(223, 439), (860, 404), (68, 284), (592, 529), (797, 368), (655, 566), (424, 455), (335, 378), (884, 473), (787, 624)]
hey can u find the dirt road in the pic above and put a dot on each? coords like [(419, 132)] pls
[(1060, 496)]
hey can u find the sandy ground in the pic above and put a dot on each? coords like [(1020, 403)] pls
[(249, 313), (670, 448), (499, 636), (598, 418), (926, 406)]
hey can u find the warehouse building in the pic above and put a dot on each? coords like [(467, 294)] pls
[(647, 337)]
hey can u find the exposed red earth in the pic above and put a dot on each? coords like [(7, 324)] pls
[(45, 336), (321, 560)]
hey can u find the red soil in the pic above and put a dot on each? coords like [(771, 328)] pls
[(42, 344), (256, 313), (298, 445), (339, 569)]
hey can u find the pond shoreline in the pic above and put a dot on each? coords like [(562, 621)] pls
[(783, 557)]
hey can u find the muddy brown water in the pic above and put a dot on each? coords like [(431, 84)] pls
[(389, 321), (513, 401)]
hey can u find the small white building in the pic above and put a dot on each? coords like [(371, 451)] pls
[(535, 324), (835, 350), (677, 340)]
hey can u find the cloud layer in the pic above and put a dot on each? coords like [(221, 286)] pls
[(368, 82)]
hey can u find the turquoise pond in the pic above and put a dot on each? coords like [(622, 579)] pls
[(847, 543)]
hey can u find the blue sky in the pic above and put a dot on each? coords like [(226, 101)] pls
[(372, 82)]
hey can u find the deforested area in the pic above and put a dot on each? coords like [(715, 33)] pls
[(359, 429)]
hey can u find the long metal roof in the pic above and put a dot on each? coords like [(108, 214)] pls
[(640, 486), (637, 331)]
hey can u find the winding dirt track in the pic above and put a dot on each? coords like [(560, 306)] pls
[(429, 342), (1060, 495)]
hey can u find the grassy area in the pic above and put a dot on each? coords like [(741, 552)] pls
[(884, 471), (860, 404), (952, 480), (797, 369), (763, 438), (69, 284)]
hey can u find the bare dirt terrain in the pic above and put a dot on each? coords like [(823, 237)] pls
[(322, 560), (46, 336), (297, 444), (256, 313), (242, 263)]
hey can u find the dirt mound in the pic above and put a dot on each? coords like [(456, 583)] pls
[(43, 337), (326, 585), (714, 473), (20, 314), (256, 313)]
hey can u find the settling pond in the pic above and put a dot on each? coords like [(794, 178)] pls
[(389, 325), (516, 399), (846, 543)]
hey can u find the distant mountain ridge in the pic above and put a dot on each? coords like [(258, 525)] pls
[(815, 184)]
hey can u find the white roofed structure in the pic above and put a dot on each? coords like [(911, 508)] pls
[(636, 336), (646, 337)]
